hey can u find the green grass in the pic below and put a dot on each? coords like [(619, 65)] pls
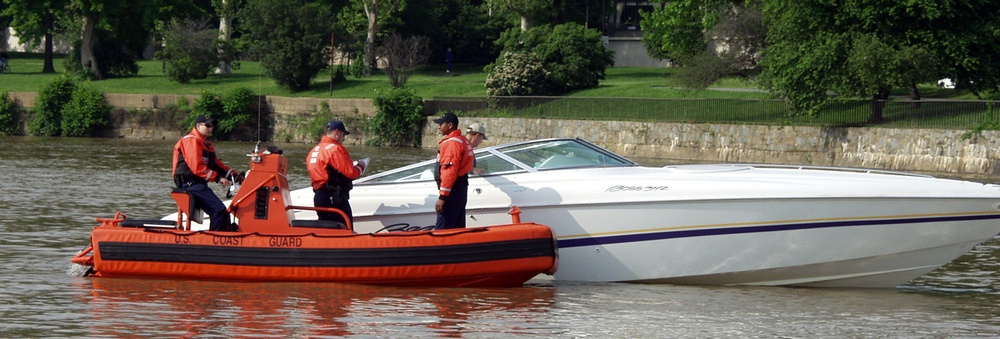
[(427, 82), (627, 93)]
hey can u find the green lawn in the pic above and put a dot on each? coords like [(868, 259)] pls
[(428, 82)]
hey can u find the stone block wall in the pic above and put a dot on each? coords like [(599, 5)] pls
[(933, 151)]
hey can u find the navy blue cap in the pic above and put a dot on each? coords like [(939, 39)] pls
[(337, 125), (205, 119), (447, 117)]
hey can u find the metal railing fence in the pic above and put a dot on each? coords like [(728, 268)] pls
[(950, 114)]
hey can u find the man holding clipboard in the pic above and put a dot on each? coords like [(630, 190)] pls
[(332, 171)]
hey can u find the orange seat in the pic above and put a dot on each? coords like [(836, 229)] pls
[(186, 206)]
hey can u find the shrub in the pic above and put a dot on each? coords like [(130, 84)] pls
[(49, 106), (236, 105), (229, 111), (574, 55), (85, 112), (399, 115), (190, 51), (518, 74), (8, 115)]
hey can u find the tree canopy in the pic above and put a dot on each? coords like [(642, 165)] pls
[(865, 48)]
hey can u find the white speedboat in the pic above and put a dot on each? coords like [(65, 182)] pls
[(723, 224)]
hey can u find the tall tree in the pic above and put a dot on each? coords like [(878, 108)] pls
[(374, 9), (226, 10), (867, 47), (36, 21), (289, 38)]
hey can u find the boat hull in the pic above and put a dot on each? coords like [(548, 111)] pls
[(823, 242), (498, 256)]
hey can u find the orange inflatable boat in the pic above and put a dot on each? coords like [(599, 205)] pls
[(269, 245)]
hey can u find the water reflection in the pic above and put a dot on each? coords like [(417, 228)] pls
[(179, 308)]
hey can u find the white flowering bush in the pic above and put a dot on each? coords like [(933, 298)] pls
[(518, 74)]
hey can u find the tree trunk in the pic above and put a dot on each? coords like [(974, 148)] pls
[(525, 24), (915, 96), (371, 12), (225, 31), (878, 106), (47, 66), (87, 59)]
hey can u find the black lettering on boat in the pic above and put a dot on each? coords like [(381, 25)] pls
[(217, 240), (181, 239), (284, 242)]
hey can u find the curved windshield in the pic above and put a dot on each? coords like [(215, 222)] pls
[(528, 156)]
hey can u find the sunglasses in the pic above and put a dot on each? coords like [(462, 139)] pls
[(210, 125)]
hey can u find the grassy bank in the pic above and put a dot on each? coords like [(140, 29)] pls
[(428, 82)]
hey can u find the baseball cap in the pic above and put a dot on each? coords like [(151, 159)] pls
[(478, 128), (337, 125), (204, 119), (447, 117)]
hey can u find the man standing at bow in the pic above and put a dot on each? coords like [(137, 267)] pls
[(195, 164), (454, 161)]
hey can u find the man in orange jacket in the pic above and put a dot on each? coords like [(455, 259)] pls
[(454, 161), (195, 164), (332, 172)]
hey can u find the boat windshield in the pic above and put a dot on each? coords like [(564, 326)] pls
[(530, 156)]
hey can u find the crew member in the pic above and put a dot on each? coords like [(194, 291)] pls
[(475, 133), (195, 164), (332, 172), (454, 161)]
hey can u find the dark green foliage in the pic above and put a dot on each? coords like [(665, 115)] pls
[(291, 39), (229, 111), (190, 51), (84, 113), (236, 105), (357, 67), (573, 55), (115, 62), (8, 115), (399, 115), (49, 105)]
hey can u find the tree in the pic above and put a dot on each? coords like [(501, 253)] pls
[(289, 38), (403, 55), (120, 30), (373, 9), (530, 11), (190, 50), (226, 10), (575, 56), (35, 21), (856, 48), (708, 39)]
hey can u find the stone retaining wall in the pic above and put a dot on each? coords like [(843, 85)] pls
[(933, 151)]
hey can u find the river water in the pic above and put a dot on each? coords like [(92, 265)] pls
[(53, 188)]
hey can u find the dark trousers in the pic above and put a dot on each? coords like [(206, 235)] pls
[(206, 200), (453, 212), (326, 198)]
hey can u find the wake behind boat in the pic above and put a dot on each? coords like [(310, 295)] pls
[(616, 221), (272, 245)]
